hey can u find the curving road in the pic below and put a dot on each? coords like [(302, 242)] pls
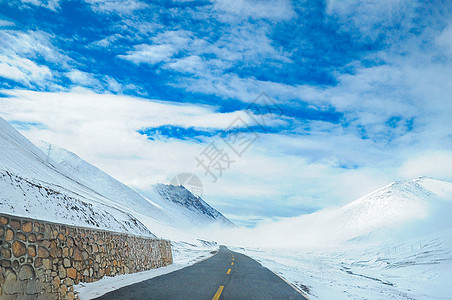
[(226, 275)]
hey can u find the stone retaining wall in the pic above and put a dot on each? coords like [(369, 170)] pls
[(43, 260)]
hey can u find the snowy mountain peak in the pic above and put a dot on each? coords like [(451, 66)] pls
[(184, 209), (182, 197)]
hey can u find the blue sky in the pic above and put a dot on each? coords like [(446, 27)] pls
[(364, 88)]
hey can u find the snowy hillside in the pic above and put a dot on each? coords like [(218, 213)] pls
[(102, 183), (181, 202), (167, 210), (405, 209), (417, 268), (395, 243), (33, 186)]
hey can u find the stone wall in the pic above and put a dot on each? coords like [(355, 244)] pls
[(43, 260)]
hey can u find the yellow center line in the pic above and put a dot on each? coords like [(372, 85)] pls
[(233, 259), (229, 271), (232, 263), (218, 293)]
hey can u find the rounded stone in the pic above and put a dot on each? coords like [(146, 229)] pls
[(72, 273), (43, 252), (27, 227), (19, 249), (6, 263), (61, 272), (26, 272), (66, 263), (21, 236), (15, 264), (32, 238), (38, 262), (9, 235), (6, 253), (32, 251), (15, 224)]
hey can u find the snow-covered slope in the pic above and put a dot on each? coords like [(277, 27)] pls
[(33, 186), (395, 243), (417, 205), (186, 206), (401, 209), (102, 183), (169, 211)]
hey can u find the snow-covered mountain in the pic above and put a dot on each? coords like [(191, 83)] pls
[(33, 186), (399, 210), (395, 243), (54, 184), (188, 206), (421, 205), (161, 207)]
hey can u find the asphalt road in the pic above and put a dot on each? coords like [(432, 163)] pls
[(226, 275)]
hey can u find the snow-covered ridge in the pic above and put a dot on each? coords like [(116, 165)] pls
[(116, 192), (33, 186), (183, 198), (394, 243), (400, 209), (161, 208), (26, 198), (81, 194)]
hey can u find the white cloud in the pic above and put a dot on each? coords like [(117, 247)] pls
[(444, 39), (5, 23), (24, 70), (107, 41), (149, 54), (50, 4), (165, 45), (370, 20), (191, 64), (32, 44), (102, 129), (82, 78), (116, 6), (436, 164), (279, 10)]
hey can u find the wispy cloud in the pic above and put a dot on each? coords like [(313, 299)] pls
[(24, 71), (82, 78), (149, 54), (116, 6), (242, 9), (50, 4), (6, 23)]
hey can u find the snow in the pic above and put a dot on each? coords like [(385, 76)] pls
[(33, 186), (58, 186), (184, 255), (186, 207), (168, 211), (395, 243), (419, 268)]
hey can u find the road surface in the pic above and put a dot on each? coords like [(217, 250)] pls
[(226, 275)]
